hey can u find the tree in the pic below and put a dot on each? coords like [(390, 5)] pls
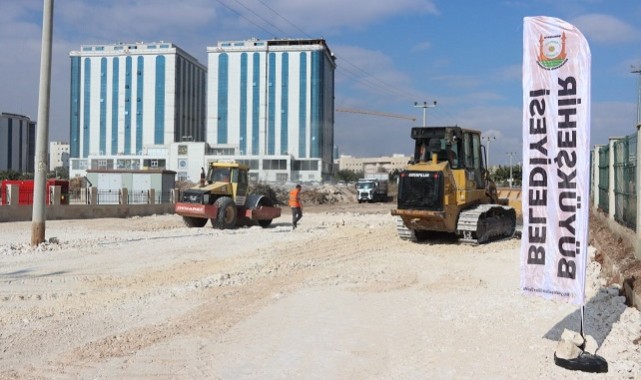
[(348, 175), (13, 175), (502, 174), (59, 172), (393, 175)]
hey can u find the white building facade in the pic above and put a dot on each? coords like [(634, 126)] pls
[(268, 104), (125, 97), (58, 155), (370, 165), (272, 103), (17, 143)]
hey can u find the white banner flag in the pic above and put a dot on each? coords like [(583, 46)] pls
[(556, 160)]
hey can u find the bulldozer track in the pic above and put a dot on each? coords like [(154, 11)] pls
[(468, 225)]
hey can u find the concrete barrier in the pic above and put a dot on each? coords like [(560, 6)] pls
[(59, 212)]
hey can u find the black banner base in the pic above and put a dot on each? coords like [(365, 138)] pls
[(586, 362)]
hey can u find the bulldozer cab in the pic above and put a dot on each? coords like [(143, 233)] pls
[(461, 148), (233, 174), (444, 142)]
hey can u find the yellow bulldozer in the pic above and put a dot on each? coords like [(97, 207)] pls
[(222, 196), (446, 188)]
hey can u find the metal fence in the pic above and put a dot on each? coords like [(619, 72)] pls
[(164, 197), (139, 197), (625, 193), (79, 196), (604, 178), (624, 166), (108, 197)]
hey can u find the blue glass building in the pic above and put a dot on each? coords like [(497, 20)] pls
[(125, 97), (17, 143), (272, 102)]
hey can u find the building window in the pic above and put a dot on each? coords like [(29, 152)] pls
[(86, 107), (102, 164), (128, 69), (123, 164), (223, 95), (79, 164), (140, 106), (255, 111), (159, 111), (305, 165), (253, 164), (222, 151), (274, 164)]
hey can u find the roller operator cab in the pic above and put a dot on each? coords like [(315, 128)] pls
[(446, 188), (222, 196)]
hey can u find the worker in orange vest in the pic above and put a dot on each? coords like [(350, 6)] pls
[(294, 203)]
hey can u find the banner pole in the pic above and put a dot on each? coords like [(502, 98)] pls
[(582, 320)]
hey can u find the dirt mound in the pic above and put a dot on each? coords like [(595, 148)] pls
[(329, 194), (325, 194), (616, 252)]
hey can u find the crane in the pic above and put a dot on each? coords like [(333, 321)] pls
[(376, 113)]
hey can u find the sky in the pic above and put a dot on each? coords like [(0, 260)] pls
[(464, 54)]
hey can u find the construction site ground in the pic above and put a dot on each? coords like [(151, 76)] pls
[(341, 297)]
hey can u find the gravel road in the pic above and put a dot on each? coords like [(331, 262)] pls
[(341, 297)]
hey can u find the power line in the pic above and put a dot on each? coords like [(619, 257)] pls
[(357, 73), (260, 17), (375, 113), (283, 17), (379, 83), (240, 15), (369, 79)]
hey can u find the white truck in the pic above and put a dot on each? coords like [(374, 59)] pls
[(371, 190)]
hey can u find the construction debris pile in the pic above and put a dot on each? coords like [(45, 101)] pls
[(311, 194)]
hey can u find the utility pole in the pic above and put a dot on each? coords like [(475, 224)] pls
[(40, 170), (511, 154), (637, 70), (424, 106), (488, 139)]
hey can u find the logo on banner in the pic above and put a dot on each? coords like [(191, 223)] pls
[(552, 53)]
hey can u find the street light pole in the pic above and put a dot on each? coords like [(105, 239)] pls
[(424, 106), (511, 154), (488, 139), (637, 70), (38, 215)]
